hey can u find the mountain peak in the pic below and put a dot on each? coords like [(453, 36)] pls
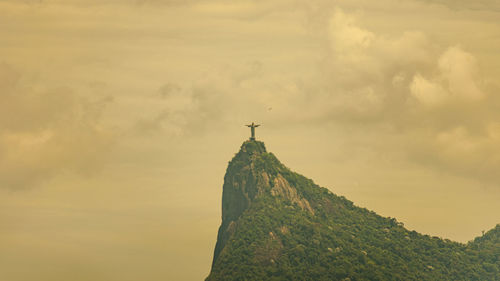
[(280, 225), (251, 174), (253, 147)]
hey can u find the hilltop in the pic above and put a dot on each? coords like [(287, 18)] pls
[(280, 225)]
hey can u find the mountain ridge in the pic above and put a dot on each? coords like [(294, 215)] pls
[(280, 225)]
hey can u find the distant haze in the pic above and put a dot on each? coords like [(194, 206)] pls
[(118, 118)]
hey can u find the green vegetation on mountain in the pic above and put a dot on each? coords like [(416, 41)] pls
[(279, 225)]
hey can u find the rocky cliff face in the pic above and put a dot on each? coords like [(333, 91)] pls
[(279, 225), (253, 172)]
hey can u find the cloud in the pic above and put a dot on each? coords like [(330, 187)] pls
[(346, 37), (460, 150), (365, 75), (351, 75), (483, 5), (406, 88), (457, 78), (47, 131), (380, 72), (104, 2), (401, 87), (427, 92), (218, 98), (169, 89), (460, 72)]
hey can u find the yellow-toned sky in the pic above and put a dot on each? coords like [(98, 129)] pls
[(118, 118)]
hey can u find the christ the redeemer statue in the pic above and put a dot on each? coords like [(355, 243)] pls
[(252, 128)]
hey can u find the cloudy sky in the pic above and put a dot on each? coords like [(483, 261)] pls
[(118, 118)]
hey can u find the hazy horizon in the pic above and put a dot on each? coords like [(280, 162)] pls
[(118, 119)]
